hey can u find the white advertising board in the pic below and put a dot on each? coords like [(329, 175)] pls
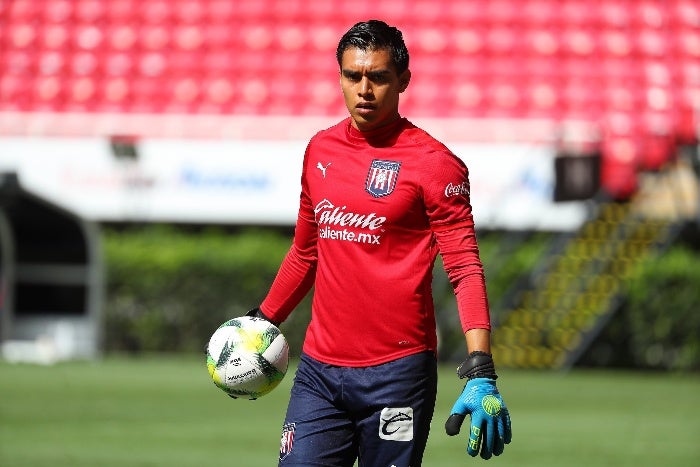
[(256, 182)]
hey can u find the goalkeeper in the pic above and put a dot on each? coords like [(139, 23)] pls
[(380, 198)]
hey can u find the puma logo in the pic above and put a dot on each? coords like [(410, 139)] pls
[(322, 168)]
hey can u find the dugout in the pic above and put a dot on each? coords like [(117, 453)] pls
[(51, 276)]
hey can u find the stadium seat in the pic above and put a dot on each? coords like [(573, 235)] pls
[(57, 11), (115, 92), (649, 14), (90, 11), (538, 13), (16, 93), (122, 36), (615, 14), (154, 36), (22, 10), (685, 13), (55, 36), (22, 35), (619, 166)]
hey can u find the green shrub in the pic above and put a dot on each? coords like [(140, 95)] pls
[(168, 289), (658, 325), (661, 309)]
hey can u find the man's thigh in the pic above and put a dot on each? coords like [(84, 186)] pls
[(316, 431), (395, 404)]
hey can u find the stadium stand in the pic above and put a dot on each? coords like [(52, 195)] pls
[(213, 56), (631, 68), (497, 69)]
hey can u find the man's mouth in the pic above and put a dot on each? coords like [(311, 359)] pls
[(365, 108)]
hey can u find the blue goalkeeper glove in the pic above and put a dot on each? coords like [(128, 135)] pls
[(490, 428)]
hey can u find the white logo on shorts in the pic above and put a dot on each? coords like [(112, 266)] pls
[(396, 424)]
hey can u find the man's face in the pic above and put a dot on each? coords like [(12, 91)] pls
[(371, 87)]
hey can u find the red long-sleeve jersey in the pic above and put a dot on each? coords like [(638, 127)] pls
[(375, 210)]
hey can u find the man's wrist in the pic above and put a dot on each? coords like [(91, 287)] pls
[(258, 313), (478, 364)]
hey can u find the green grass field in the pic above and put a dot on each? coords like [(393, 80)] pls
[(164, 411)]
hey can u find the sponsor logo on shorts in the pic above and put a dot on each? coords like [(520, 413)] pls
[(396, 424)]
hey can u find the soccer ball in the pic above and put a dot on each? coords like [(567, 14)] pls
[(247, 357)]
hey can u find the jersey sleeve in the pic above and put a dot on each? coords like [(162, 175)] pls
[(447, 201), (297, 272)]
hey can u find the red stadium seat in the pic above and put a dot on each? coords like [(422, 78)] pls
[(187, 37), (615, 14), (542, 42), (154, 36), (652, 43), (18, 63), (47, 93), (22, 10), (155, 12), (649, 14), (51, 62), (621, 98), (55, 36), (577, 13), (22, 35), (122, 37), (658, 142), (616, 43), (57, 11), (220, 11), (503, 40), (87, 36), (688, 43), (81, 94), (91, 11), (116, 91), (686, 13), (543, 99), (538, 13), (16, 93), (505, 12), (123, 12), (466, 14)]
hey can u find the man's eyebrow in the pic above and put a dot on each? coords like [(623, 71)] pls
[(378, 73), (370, 74)]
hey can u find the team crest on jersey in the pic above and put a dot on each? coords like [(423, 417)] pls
[(381, 179), (287, 440)]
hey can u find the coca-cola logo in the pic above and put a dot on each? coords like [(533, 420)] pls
[(329, 214), (457, 189)]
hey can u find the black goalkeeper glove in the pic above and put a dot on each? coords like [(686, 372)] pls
[(257, 313)]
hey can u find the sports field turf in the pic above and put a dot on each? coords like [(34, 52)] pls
[(164, 411)]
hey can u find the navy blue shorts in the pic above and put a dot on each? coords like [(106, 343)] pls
[(378, 415)]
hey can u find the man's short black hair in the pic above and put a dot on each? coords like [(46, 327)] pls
[(375, 35)]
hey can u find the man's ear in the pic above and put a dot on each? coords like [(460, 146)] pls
[(404, 79)]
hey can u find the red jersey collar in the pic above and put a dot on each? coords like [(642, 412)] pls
[(377, 137)]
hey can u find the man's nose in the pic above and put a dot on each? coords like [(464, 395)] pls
[(365, 88)]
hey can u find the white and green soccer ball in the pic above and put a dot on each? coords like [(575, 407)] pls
[(247, 357)]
